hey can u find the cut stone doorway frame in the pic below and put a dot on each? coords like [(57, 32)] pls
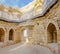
[(23, 39), (2, 35), (29, 29), (52, 33), (47, 22), (11, 35)]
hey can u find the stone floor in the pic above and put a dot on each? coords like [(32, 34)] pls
[(55, 46), (25, 49)]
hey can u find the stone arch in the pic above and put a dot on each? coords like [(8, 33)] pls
[(11, 34), (2, 35), (24, 34), (51, 33)]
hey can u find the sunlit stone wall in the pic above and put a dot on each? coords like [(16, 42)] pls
[(37, 28)]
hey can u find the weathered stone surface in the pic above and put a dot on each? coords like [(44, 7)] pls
[(37, 28)]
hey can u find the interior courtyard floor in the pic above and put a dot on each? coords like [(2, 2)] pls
[(26, 49)]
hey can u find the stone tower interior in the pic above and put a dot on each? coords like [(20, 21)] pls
[(42, 30)]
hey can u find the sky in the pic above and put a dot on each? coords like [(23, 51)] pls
[(16, 3)]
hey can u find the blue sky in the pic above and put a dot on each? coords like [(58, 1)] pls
[(16, 3)]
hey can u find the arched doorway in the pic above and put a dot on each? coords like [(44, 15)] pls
[(51, 33), (11, 35), (2, 33), (24, 35)]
